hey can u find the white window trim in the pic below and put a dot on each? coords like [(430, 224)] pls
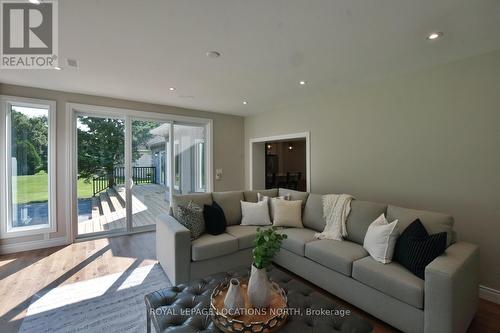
[(6, 231)]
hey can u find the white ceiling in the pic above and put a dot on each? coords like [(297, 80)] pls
[(136, 50)]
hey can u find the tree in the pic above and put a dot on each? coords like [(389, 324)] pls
[(141, 135), (28, 160), (29, 142), (101, 145)]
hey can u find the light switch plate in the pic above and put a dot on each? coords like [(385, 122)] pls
[(218, 174)]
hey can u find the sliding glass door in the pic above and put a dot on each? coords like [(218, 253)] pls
[(129, 165), (190, 158), (150, 165), (100, 174)]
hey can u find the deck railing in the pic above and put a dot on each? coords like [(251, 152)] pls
[(99, 184), (140, 175)]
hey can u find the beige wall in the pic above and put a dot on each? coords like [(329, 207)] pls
[(429, 140), (227, 142)]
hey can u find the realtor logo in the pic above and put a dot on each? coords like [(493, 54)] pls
[(29, 34)]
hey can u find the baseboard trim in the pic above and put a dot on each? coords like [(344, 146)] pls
[(33, 245), (489, 294)]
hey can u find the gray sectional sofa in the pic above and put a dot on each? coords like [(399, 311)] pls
[(444, 302)]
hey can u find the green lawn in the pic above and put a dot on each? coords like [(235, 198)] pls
[(35, 189)]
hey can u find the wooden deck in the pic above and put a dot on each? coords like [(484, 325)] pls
[(108, 208)]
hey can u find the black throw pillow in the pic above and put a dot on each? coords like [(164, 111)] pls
[(215, 220), (415, 230), (415, 248)]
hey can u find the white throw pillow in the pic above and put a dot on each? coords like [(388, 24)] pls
[(380, 239), (261, 197), (287, 213), (255, 213)]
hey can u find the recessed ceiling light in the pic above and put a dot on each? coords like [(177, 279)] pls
[(57, 68), (302, 83), (245, 102), (171, 88), (35, 2), (213, 54), (434, 35)]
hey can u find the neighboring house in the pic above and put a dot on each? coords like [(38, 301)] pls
[(145, 160)]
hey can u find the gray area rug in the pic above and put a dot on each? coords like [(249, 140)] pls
[(111, 303)]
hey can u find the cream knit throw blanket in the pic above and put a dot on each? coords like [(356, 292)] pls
[(336, 209)]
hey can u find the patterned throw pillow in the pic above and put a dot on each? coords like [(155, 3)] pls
[(191, 216)]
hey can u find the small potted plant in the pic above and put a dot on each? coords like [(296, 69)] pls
[(266, 244)]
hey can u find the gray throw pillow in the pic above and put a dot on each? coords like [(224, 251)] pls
[(191, 216)]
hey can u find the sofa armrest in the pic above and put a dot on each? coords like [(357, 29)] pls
[(452, 289), (173, 248)]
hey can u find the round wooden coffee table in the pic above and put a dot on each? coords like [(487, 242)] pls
[(250, 320)]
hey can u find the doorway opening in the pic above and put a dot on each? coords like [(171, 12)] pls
[(286, 164), (280, 161)]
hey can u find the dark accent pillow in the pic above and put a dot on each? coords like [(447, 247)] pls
[(415, 248), (415, 230), (215, 220)]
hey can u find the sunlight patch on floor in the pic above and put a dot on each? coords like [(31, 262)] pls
[(85, 290)]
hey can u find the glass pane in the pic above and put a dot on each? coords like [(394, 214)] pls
[(190, 152), (29, 166), (150, 142), (101, 174)]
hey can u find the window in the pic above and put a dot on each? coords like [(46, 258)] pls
[(177, 166), (27, 161), (200, 166)]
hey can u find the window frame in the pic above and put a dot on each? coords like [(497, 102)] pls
[(198, 160), (177, 157), (6, 228)]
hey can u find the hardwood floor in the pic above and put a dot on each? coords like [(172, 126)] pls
[(31, 274)]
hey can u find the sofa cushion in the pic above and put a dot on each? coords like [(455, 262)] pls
[(245, 234), (200, 199), (336, 255), (362, 214), (391, 279), (210, 246), (313, 213), (251, 196), (230, 203), (433, 222), (297, 239), (293, 195)]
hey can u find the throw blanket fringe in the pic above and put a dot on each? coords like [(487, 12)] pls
[(336, 209)]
